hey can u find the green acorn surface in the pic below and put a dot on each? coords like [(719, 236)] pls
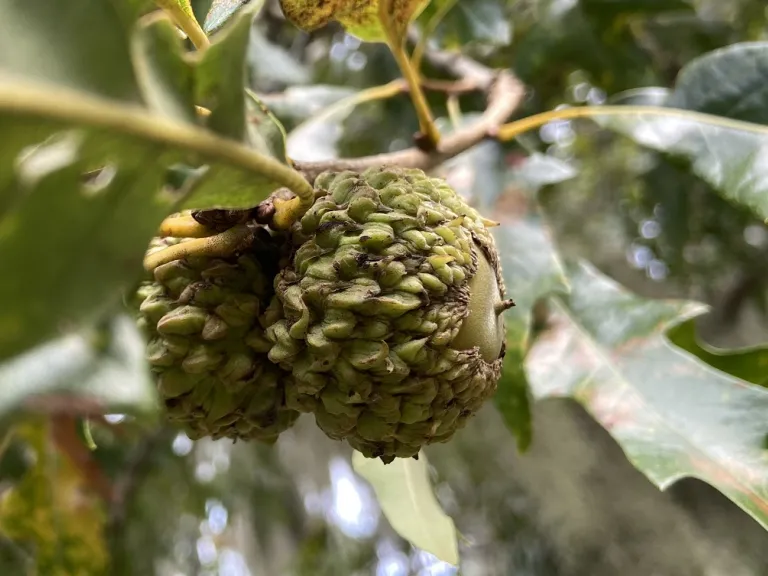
[(392, 326), (205, 318)]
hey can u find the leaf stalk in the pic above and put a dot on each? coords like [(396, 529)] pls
[(181, 13), (396, 43)]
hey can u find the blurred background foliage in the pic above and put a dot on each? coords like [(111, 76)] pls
[(151, 501)]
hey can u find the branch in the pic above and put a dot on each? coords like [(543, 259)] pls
[(457, 64), (505, 93)]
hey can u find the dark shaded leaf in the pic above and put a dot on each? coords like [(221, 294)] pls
[(609, 9), (201, 9), (221, 75), (730, 82), (71, 246), (727, 154), (532, 270), (564, 40), (471, 22), (750, 364), (173, 83), (672, 414), (71, 243), (36, 43), (166, 79), (265, 132)]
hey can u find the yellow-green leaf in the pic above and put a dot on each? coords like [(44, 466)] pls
[(407, 500), (362, 19), (183, 5), (51, 511), (673, 415), (396, 15)]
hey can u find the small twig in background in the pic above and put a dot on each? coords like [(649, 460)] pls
[(457, 64), (505, 95), (452, 87), (454, 111)]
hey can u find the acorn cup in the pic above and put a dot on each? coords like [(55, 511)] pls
[(392, 304), (380, 312), (204, 318)]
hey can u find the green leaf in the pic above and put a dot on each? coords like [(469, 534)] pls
[(470, 22), (265, 132), (730, 82), (299, 103), (222, 10), (408, 502), (166, 79), (104, 368), (609, 9), (360, 19), (673, 415), (73, 244), (726, 83), (173, 83), (750, 363), (201, 9), (220, 76), (727, 154), (81, 44), (273, 67), (532, 270), (316, 138), (70, 246), (132, 10)]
